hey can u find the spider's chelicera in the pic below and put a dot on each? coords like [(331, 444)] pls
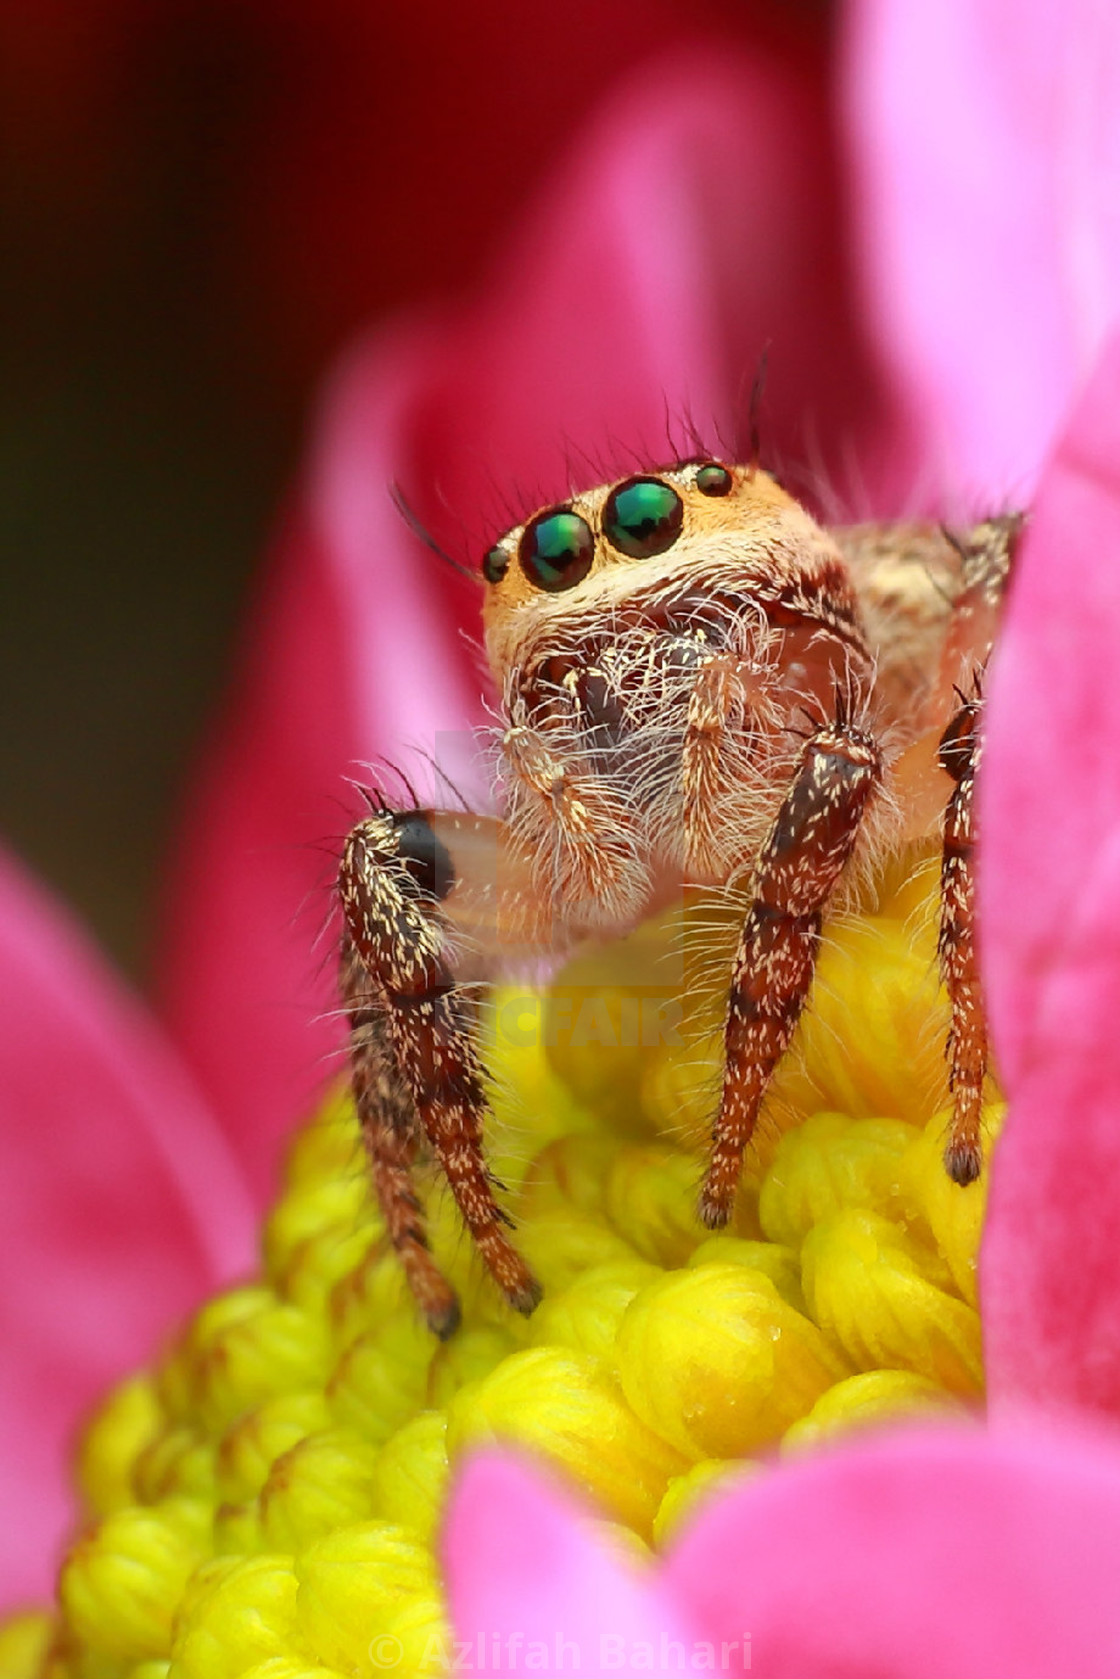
[(699, 684)]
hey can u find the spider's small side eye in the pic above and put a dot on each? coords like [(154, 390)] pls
[(556, 550), (713, 479), (495, 565), (643, 517)]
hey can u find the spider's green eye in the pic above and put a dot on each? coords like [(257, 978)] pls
[(495, 565), (556, 550), (643, 517), (712, 479)]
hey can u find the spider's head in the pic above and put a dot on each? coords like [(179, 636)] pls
[(677, 510), (677, 526)]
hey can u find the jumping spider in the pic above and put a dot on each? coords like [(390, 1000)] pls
[(698, 681)]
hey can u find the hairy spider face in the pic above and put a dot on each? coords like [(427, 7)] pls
[(655, 537), (671, 631)]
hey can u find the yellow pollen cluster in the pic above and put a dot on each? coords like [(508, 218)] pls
[(265, 1501)]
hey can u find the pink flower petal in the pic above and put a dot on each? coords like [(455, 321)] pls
[(986, 157), (523, 1563), (119, 1208), (919, 1556), (694, 223), (1051, 919)]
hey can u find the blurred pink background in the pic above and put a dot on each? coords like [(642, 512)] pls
[(200, 202)]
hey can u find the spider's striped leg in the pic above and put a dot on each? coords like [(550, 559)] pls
[(987, 560), (416, 1067), (391, 1132), (801, 860), (956, 944)]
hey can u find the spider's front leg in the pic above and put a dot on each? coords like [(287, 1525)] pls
[(801, 860), (416, 1070)]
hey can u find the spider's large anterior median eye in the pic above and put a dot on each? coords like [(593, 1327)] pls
[(643, 517), (556, 550)]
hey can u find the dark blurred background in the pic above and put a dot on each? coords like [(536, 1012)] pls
[(200, 201)]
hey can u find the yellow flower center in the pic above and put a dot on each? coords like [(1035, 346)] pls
[(264, 1501)]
